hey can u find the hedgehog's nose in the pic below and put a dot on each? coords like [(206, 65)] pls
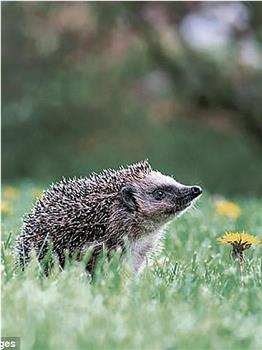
[(196, 191)]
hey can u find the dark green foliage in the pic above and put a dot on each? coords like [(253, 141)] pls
[(79, 99)]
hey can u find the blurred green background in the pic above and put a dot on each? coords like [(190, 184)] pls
[(86, 86)]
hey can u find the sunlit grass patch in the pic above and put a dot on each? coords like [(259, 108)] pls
[(10, 192), (6, 208), (188, 297), (227, 208), (38, 192)]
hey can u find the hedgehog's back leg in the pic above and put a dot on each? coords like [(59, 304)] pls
[(25, 247), (22, 252)]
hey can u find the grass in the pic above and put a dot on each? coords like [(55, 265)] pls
[(190, 297)]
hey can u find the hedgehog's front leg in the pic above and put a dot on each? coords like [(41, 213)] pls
[(139, 251)]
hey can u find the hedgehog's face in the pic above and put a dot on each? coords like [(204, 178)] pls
[(159, 198)]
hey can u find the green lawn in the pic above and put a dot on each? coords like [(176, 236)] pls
[(189, 298)]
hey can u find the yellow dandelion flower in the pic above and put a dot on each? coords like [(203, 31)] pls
[(239, 238), (228, 209), (6, 208), (38, 192), (239, 241), (10, 192)]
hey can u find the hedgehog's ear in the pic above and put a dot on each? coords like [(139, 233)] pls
[(128, 198)]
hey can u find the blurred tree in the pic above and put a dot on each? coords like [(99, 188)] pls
[(88, 85), (208, 82)]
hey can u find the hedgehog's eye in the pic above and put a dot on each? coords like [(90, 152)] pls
[(158, 194)]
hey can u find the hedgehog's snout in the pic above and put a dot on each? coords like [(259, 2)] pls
[(196, 191), (186, 196), (190, 192)]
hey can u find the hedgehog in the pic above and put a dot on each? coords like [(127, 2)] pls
[(103, 212)]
